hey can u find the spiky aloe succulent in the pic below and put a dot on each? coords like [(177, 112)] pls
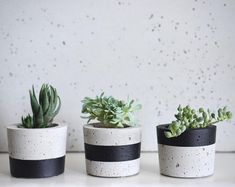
[(188, 118), (112, 113), (43, 110)]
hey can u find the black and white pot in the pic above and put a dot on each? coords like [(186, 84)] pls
[(112, 152), (37, 152), (189, 155)]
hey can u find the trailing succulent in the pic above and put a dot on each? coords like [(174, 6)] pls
[(188, 118), (43, 110), (112, 113)]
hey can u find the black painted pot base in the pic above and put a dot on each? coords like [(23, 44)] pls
[(36, 168)]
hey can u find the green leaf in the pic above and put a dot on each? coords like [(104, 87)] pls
[(34, 102), (168, 134), (43, 111), (187, 118), (110, 111)]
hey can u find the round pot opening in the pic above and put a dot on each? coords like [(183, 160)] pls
[(50, 126)]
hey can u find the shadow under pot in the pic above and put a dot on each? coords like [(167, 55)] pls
[(112, 152), (36, 152), (189, 155)]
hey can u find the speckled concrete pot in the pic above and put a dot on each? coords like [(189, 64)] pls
[(37, 153), (189, 155), (112, 152)]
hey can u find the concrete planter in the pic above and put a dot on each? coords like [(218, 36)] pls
[(112, 152), (189, 155), (36, 153)]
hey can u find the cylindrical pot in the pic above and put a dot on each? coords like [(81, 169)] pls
[(37, 152), (112, 152), (189, 155)]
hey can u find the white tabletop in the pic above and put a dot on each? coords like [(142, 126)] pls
[(75, 174)]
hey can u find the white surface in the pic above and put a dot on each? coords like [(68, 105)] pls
[(37, 144), (189, 162), (75, 175), (161, 52)]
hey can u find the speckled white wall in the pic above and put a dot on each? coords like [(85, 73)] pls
[(160, 52)]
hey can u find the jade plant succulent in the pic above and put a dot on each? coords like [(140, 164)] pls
[(111, 112), (44, 110), (188, 118)]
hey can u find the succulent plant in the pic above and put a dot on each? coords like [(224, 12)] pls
[(43, 110), (188, 118), (111, 112)]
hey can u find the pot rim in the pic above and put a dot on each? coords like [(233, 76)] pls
[(164, 127), (91, 126), (15, 127)]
